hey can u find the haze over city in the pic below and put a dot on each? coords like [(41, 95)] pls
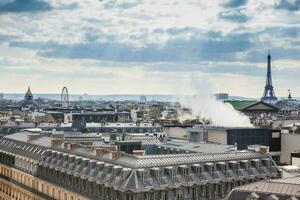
[(149, 99), (149, 47)]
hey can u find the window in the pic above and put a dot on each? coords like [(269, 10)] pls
[(164, 195), (66, 196), (159, 175), (194, 193), (129, 197), (179, 194), (275, 134), (185, 172), (150, 196), (251, 198)]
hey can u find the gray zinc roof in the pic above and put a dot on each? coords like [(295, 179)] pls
[(283, 187), (178, 159)]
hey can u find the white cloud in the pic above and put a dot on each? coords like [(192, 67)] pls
[(190, 30)]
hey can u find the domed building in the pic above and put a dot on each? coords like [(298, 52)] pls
[(28, 95), (28, 101), (289, 105)]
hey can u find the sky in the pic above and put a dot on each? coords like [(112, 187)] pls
[(149, 46)]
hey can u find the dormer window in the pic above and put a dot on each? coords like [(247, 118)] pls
[(233, 166), (255, 163), (184, 170), (125, 173), (197, 169), (157, 172), (266, 163), (253, 196), (108, 168), (245, 164), (209, 168), (171, 171), (142, 174), (222, 167), (273, 197)]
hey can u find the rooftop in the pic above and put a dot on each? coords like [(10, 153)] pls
[(180, 159), (201, 152), (197, 147), (239, 105), (284, 186), (137, 173)]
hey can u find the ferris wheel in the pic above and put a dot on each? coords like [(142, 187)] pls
[(64, 97)]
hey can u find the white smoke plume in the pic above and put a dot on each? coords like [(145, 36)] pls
[(205, 105)]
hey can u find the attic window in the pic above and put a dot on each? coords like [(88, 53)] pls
[(273, 197), (253, 196)]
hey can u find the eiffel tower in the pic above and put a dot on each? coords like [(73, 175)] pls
[(269, 94)]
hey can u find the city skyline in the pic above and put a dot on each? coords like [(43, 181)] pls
[(149, 47)]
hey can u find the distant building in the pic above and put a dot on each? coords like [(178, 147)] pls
[(254, 107), (1, 96), (170, 114), (129, 146), (96, 117), (143, 99), (136, 115), (222, 96), (290, 146), (57, 116), (28, 102), (289, 106), (244, 137), (260, 107), (28, 95), (260, 113), (76, 126), (239, 105), (196, 134)]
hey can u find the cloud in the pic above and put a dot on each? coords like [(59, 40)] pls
[(123, 4), (236, 15), (25, 6), (234, 3), (4, 38), (277, 53), (214, 68), (193, 49), (290, 5), (134, 39), (284, 32)]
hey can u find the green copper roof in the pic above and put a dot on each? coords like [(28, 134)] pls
[(239, 105)]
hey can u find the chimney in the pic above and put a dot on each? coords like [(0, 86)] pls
[(31, 137), (103, 149), (98, 151), (87, 143), (138, 152), (56, 142), (113, 155), (265, 149), (69, 146), (57, 135)]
